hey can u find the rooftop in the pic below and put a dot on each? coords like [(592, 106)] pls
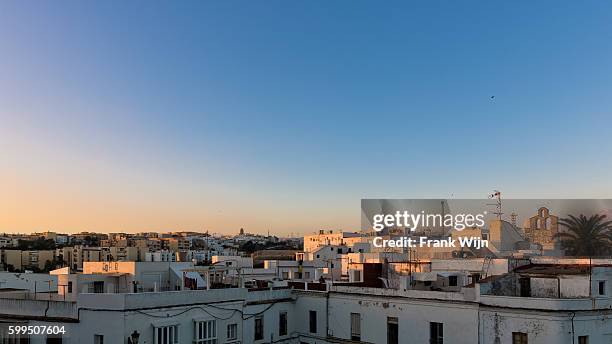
[(557, 269)]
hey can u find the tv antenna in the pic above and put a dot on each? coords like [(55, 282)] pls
[(498, 204)]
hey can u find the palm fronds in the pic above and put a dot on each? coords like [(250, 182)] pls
[(586, 236)]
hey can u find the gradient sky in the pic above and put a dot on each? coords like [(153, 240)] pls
[(282, 115)]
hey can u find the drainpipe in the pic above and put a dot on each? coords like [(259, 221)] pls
[(327, 312), (242, 323), (590, 277), (573, 315), (478, 315)]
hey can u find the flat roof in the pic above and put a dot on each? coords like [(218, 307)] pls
[(555, 269)]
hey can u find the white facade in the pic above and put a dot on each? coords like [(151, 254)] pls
[(320, 316), (297, 271), (327, 238), (160, 256), (32, 282), (233, 261)]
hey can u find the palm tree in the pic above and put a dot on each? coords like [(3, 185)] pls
[(586, 236)]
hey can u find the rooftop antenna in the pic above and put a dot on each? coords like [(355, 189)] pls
[(498, 204), (442, 224)]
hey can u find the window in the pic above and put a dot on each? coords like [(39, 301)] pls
[(307, 275), (205, 332), (436, 333), (602, 287), (98, 339), (452, 281), (355, 326), (70, 287), (282, 324), (165, 334), (475, 278), (392, 330), (232, 331), (313, 321), (519, 338), (583, 339), (285, 275), (259, 328), (525, 287), (98, 287)]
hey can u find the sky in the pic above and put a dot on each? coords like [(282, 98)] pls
[(281, 115)]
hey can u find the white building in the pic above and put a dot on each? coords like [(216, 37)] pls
[(233, 261), (327, 238), (293, 270), (161, 256), (534, 304), (32, 282)]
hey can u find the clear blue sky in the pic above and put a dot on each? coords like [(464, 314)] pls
[(225, 114)]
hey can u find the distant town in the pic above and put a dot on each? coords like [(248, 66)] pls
[(46, 251)]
